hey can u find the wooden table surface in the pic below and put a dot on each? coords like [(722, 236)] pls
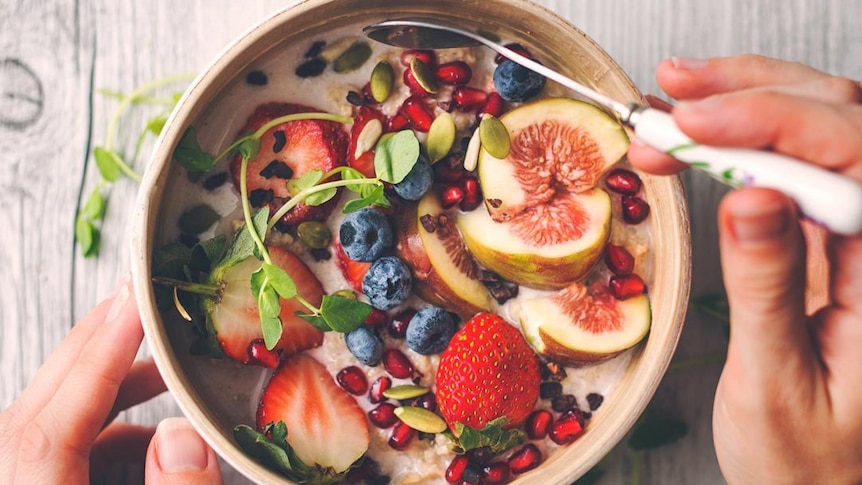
[(56, 54)]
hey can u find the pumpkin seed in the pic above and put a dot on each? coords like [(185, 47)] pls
[(441, 137), (345, 293), (382, 79), (314, 234), (424, 75), (421, 419), (405, 391), (494, 136), (354, 57), (471, 155), (368, 137)]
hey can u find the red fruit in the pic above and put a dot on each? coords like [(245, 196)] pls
[(623, 181), (468, 99), (302, 145), (397, 364), (525, 459), (398, 325), (444, 173), (365, 161), (451, 196), (383, 416), (635, 209), (619, 260), (456, 72), (494, 106), (518, 48), (352, 380), (488, 371), (378, 387), (624, 287), (377, 318), (259, 355), (235, 319), (495, 473), (413, 84), (573, 412), (395, 123), (456, 468), (472, 194), (565, 431), (401, 436), (418, 113), (539, 423), (353, 271), (302, 394), (428, 57)]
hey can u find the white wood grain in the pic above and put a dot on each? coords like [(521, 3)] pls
[(76, 47)]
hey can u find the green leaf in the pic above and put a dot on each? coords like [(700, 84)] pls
[(321, 197), (207, 344), (317, 320), (243, 246), (189, 154), (268, 307), (94, 208), (376, 197), (198, 219), (108, 162), (87, 236), (168, 260), (309, 179), (156, 125), (257, 281), (261, 448), (349, 173), (656, 432), (492, 436), (280, 281), (343, 314), (249, 148), (395, 156), (271, 328), (206, 253)]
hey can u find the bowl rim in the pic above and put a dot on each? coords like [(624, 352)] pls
[(148, 206)]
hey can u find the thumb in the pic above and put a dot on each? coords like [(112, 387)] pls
[(763, 261), (177, 455)]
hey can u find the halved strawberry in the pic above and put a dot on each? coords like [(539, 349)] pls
[(487, 372), (288, 151), (353, 271), (325, 425), (365, 161), (235, 318)]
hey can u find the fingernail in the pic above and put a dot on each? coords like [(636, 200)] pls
[(179, 447), (754, 223), (688, 63), (120, 300)]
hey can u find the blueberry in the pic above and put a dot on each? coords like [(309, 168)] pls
[(516, 83), (365, 235), (417, 182), (387, 283), (430, 330), (365, 344)]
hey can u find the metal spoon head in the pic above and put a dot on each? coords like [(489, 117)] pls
[(418, 34)]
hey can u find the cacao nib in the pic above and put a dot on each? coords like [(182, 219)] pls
[(256, 78), (315, 49), (563, 402), (321, 254), (278, 169), (311, 68), (594, 400), (548, 390), (215, 181), (259, 197), (355, 98), (280, 141)]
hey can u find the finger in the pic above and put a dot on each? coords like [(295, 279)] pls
[(653, 161), (142, 383), (762, 258), (178, 456), (119, 443), (57, 442), (822, 133)]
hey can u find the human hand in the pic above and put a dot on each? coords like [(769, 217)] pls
[(788, 407), (60, 429)]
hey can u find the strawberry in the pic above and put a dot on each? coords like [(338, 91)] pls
[(487, 372), (325, 425), (353, 271), (365, 161), (287, 151), (234, 314)]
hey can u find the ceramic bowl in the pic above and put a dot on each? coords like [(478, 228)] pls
[(216, 396)]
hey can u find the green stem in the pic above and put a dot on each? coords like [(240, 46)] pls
[(307, 304), (197, 288), (296, 117), (303, 194), (246, 211)]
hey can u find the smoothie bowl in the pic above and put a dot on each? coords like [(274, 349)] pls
[(363, 264)]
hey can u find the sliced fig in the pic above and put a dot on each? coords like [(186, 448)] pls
[(583, 324), (444, 271), (556, 144), (549, 245)]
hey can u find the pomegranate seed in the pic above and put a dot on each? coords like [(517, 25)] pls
[(397, 364), (451, 196), (426, 401), (260, 355), (444, 173), (353, 380), (525, 459), (625, 287), (366, 93), (619, 260), (518, 48), (401, 436), (455, 470), (378, 387), (539, 423), (383, 416), (472, 194), (398, 325), (573, 412), (429, 58), (456, 72), (417, 112), (635, 209), (495, 473), (396, 123), (469, 99), (411, 82), (377, 318), (623, 181), (565, 431), (494, 106)]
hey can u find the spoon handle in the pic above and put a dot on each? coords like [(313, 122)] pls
[(823, 196)]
